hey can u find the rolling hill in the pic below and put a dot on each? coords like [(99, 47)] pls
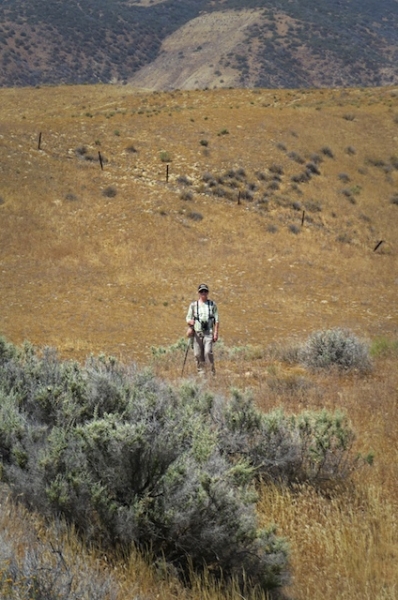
[(199, 43), (276, 198)]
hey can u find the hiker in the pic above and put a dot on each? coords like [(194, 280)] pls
[(202, 319)]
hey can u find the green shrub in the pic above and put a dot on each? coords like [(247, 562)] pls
[(383, 347), (336, 348), (165, 157), (129, 460), (311, 447)]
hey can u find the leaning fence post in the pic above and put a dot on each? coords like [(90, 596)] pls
[(167, 173), (377, 245), (100, 161), (39, 143), (302, 218)]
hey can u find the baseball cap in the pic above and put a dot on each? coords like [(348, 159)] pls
[(203, 288)]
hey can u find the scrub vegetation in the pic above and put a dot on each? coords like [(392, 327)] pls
[(123, 476)]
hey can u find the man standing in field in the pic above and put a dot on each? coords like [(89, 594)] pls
[(202, 319)]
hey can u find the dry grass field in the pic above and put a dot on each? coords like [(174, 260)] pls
[(276, 199)]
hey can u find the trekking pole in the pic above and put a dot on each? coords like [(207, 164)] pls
[(186, 354)]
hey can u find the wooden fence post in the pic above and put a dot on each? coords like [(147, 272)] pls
[(377, 245)]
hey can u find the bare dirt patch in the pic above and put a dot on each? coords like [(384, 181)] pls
[(192, 57)]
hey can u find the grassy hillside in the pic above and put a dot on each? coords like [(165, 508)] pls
[(277, 199), (112, 257), (281, 44)]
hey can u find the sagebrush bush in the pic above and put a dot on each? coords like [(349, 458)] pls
[(336, 348), (311, 447), (109, 192), (127, 459)]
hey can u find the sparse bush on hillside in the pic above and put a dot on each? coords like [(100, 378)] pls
[(344, 177), (165, 157), (109, 192), (326, 151), (347, 192), (195, 216), (296, 157), (240, 173), (81, 151), (276, 169), (394, 162), (350, 150), (312, 168), (184, 180), (207, 177), (336, 348), (345, 237), (303, 177), (186, 195), (273, 185), (246, 194), (70, 197), (374, 161), (394, 199), (316, 158)]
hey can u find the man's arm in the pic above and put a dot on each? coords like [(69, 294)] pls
[(216, 323), (190, 318)]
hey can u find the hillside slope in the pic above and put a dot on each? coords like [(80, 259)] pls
[(282, 44), (276, 199)]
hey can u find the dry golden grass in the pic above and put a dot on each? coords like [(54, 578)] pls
[(86, 272)]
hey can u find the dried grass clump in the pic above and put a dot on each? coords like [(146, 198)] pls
[(50, 567)]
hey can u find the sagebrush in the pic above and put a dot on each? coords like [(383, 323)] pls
[(128, 459), (337, 347)]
